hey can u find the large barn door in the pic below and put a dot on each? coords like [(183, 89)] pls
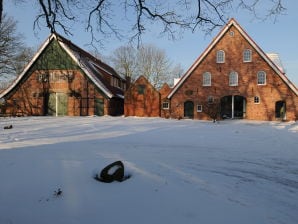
[(188, 109), (57, 104)]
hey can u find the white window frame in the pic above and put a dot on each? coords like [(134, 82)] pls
[(165, 105), (257, 100), (199, 108), (247, 55), (206, 79), (220, 56), (261, 78), (233, 78)]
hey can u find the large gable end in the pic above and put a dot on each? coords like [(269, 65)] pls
[(227, 29)]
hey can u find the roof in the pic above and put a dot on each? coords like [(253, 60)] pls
[(91, 66), (272, 63)]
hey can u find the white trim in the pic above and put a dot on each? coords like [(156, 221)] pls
[(93, 78), (215, 41), (28, 66)]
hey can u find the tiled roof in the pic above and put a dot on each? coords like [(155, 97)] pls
[(94, 68)]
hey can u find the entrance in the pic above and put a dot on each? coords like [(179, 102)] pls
[(188, 109), (57, 104), (280, 110), (232, 107)]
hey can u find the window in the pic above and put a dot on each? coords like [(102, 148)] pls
[(247, 55), (256, 100), (165, 105), (220, 56), (207, 79), (233, 79), (261, 76), (199, 108), (210, 99), (141, 89)]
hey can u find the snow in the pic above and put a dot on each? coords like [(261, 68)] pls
[(182, 171)]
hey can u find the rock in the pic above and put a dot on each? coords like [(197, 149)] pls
[(112, 172)]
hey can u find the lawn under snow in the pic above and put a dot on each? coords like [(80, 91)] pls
[(182, 171)]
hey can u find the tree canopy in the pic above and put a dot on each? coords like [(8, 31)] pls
[(133, 18)]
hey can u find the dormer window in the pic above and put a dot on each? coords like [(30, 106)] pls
[(247, 55), (220, 56)]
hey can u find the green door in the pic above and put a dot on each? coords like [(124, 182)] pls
[(61, 104), (57, 104), (188, 109), (98, 107), (52, 104)]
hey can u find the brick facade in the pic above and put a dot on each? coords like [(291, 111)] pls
[(55, 84), (142, 99), (251, 100)]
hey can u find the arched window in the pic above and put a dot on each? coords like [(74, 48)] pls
[(220, 56), (207, 79), (233, 79), (261, 76), (247, 55)]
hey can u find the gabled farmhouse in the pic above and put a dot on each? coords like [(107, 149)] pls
[(234, 78), (62, 79)]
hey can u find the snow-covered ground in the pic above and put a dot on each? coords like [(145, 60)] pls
[(182, 171)]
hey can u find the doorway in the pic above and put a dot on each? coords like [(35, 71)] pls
[(280, 110), (232, 107), (189, 109), (57, 104)]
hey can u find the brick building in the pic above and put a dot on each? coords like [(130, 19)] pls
[(142, 99), (62, 79), (234, 78)]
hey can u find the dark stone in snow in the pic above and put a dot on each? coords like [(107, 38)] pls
[(8, 127)]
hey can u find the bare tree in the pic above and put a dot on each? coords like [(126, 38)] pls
[(133, 18), (14, 55), (125, 61), (147, 60)]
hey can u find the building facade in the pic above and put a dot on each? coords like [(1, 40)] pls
[(62, 79), (234, 78)]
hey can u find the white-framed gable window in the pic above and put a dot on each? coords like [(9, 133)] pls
[(261, 76), (220, 56), (247, 55), (199, 108), (233, 79), (206, 79), (256, 99)]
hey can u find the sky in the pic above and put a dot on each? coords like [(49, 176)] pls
[(272, 36)]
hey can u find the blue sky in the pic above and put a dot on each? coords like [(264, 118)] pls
[(273, 37)]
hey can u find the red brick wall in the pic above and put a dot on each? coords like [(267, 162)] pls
[(27, 98), (144, 102), (274, 90)]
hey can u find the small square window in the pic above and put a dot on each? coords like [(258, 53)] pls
[(256, 100), (141, 89), (165, 105), (199, 108)]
